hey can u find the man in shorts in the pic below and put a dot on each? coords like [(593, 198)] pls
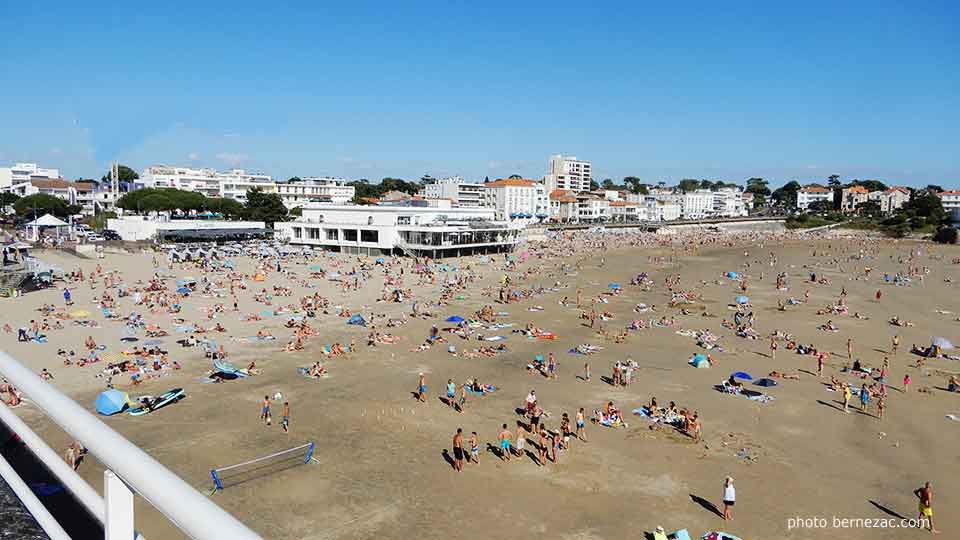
[(265, 410), (504, 438), (458, 450), (521, 438), (285, 421), (925, 504)]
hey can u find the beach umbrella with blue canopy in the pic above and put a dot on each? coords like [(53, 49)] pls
[(455, 318), (732, 275), (379, 260), (112, 401), (700, 361), (742, 375), (184, 290), (741, 299), (614, 286)]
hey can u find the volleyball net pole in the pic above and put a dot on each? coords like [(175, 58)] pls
[(216, 473)]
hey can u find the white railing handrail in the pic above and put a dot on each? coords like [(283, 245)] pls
[(188, 509), (47, 522)]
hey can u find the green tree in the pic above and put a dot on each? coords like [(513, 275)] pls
[(7, 199), (515, 176), (820, 207), (594, 185), (230, 208), (869, 209), (870, 185), (635, 185), (833, 180), (786, 195), (294, 179), (934, 188), (266, 207), (34, 206), (757, 186), (688, 184), (126, 174), (609, 184)]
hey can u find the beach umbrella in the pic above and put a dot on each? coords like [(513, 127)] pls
[(357, 320), (455, 318), (742, 375), (741, 299), (766, 382), (732, 275), (111, 402), (614, 286), (379, 260), (184, 290), (943, 343)]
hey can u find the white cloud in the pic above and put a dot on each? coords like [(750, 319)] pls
[(232, 158), (193, 156)]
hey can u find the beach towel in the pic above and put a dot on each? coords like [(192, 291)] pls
[(495, 338), (487, 389)]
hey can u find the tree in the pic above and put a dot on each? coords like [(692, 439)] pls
[(759, 200), (820, 207), (125, 174), (934, 188), (594, 185), (833, 180), (870, 185), (230, 208), (6, 199), (36, 205), (870, 209), (635, 185), (757, 186), (515, 176), (688, 184), (294, 179), (266, 207), (786, 195), (608, 184)]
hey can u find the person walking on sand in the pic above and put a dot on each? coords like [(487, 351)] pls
[(475, 448), (422, 389), (773, 348), (895, 344), (729, 498), (581, 426), (504, 438), (285, 419), (586, 372), (820, 364), (906, 383), (847, 394), (925, 505), (451, 392), (849, 348), (458, 450)]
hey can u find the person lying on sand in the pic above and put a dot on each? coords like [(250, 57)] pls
[(779, 375)]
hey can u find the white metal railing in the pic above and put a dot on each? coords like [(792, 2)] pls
[(129, 469)]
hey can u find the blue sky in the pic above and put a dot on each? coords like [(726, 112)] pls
[(719, 90)]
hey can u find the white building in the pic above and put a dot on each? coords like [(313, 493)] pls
[(462, 193), (517, 199), (94, 198), (728, 202), (890, 200), (409, 229), (24, 172), (623, 211), (950, 200), (660, 208), (696, 204), (563, 206), (811, 194), (592, 208), (568, 172), (315, 189), (134, 228)]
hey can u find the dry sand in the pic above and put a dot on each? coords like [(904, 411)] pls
[(382, 470)]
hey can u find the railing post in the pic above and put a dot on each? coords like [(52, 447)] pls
[(119, 514)]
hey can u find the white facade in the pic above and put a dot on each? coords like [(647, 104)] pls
[(623, 211), (891, 199), (315, 189), (950, 200), (414, 230), (728, 202), (696, 204), (462, 193), (810, 194), (516, 199), (568, 172), (592, 208), (134, 228), (19, 173), (662, 209), (91, 197), (94, 198)]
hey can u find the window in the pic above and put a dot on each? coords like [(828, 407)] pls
[(297, 232), (332, 234), (369, 236), (350, 235), (313, 234), (403, 220)]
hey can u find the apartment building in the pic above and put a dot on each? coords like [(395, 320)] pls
[(462, 193), (810, 194), (517, 199), (18, 173), (568, 173)]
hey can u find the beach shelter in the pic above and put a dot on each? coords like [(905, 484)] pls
[(700, 361), (357, 320), (732, 275), (46, 221), (184, 290), (379, 260), (742, 375), (455, 318), (112, 401), (741, 299), (766, 382), (943, 343), (615, 286)]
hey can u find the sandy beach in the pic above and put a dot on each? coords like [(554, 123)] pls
[(385, 460)]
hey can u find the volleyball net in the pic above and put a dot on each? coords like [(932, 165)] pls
[(232, 475)]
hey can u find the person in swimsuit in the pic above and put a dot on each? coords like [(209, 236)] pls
[(285, 421), (729, 498), (265, 410), (422, 389), (458, 450), (542, 449), (504, 438), (925, 505), (475, 448), (521, 438), (581, 426), (451, 392)]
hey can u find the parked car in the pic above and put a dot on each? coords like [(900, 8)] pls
[(111, 235), (94, 237)]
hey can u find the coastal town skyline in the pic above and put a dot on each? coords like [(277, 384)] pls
[(780, 93)]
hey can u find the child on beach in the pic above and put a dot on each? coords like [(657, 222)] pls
[(285, 421), (265, 410)]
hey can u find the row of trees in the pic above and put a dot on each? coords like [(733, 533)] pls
[(259, 206)]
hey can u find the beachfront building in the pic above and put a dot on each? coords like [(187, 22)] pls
[(627, 212), (161, 228), (891, 199), (851, 197), (296, 193), (696, 204), (517, 199), (563, 206), (810, 194), (463, 194), (728, 202), (94, 197), (568, 172), (20, 173), (414, 229), (661, 208), (592, 208), (950, 200), (91, 196)]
